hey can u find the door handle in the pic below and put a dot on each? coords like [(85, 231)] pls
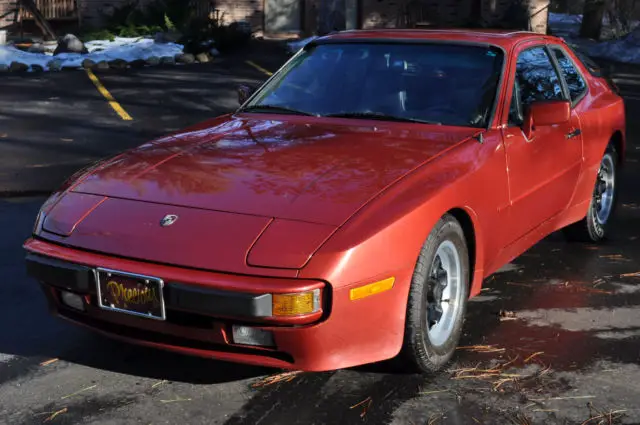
[(575, 133)]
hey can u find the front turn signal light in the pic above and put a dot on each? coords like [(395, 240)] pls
[(296, 304)]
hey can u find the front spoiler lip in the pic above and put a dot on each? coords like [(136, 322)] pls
[(216, 295)]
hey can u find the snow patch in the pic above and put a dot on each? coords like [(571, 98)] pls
[(128, 49)]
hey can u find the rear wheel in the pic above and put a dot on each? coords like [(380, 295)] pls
[(437, 298), (594, 227)]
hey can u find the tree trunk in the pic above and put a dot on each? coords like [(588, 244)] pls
[(539, 16), (592, 19)]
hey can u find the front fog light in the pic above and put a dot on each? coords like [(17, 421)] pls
[(246, 335), (72, 300), (296, 304)]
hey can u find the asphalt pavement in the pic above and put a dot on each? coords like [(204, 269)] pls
[(554, 338)]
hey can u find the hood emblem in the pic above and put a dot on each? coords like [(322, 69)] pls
[(168, 220)]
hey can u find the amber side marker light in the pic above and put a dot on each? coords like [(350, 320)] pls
[(296, 304), (371, 289)]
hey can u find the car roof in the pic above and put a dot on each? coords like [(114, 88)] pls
[(502, 38)]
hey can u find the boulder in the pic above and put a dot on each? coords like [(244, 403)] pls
[(18, 67), (153, 61), (118, 64), (203, 58), (138, 63), (102, 65), (70, 44), (167, 37), (185, 58), (55, 65), (88, 64), (214, 52), (36, 48)]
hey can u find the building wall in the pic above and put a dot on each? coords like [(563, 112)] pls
[(5, 6), (251, 11)]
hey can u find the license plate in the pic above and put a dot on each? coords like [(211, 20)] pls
[(130, 293)]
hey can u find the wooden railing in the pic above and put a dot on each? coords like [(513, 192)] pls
[(54, 10)]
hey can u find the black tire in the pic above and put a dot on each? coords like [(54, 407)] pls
[(590, 229), (419, 354)]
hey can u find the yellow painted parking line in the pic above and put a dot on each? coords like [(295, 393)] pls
[(259, 68), (104, 92)]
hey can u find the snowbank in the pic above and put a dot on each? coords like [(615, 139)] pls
[(127, 49), (625, 49)]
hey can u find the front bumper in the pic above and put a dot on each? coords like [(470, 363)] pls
[(202, 307)]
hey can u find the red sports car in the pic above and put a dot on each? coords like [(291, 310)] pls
[(346, 212)]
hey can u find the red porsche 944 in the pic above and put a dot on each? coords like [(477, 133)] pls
[(350, 207)]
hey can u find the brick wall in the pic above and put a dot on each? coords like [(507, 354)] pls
[(441, 13), (5, 6), (242, 10)]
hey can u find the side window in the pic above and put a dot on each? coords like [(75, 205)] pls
[(575, 82), (537, 77)]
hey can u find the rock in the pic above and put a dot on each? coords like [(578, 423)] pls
[(88, 64), (214, 52), (167, 37), (118, 64), (167, 60), (50, 46), (185, 58), (138, 63), (36, 48), (153, 61), (203, 58), (55, 65), (18, 67), (70, 44), (3, 67), (102, 65), (37, 68)]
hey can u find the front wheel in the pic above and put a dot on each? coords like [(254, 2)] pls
[(594, 227), (437, 298)]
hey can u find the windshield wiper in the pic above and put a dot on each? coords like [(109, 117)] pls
[(273, 108), (379, 116)]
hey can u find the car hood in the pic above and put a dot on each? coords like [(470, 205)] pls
[(298, 168), (251, 196)]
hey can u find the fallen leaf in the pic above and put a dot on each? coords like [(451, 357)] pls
[(48, 362), (360, 403), (164, 381), (577, 397), (177, 399), (54, 414), (507, 315), (80, 391), (273, 379), (533, 356), (519, 284)]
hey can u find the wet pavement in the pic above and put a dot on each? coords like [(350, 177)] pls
[(554, 338)]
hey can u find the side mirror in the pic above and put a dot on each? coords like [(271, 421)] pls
[(546, 112), (244, 92)]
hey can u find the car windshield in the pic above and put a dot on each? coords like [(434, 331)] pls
[(448, 84)]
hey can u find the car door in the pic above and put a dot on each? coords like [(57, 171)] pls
[(543, 170)]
